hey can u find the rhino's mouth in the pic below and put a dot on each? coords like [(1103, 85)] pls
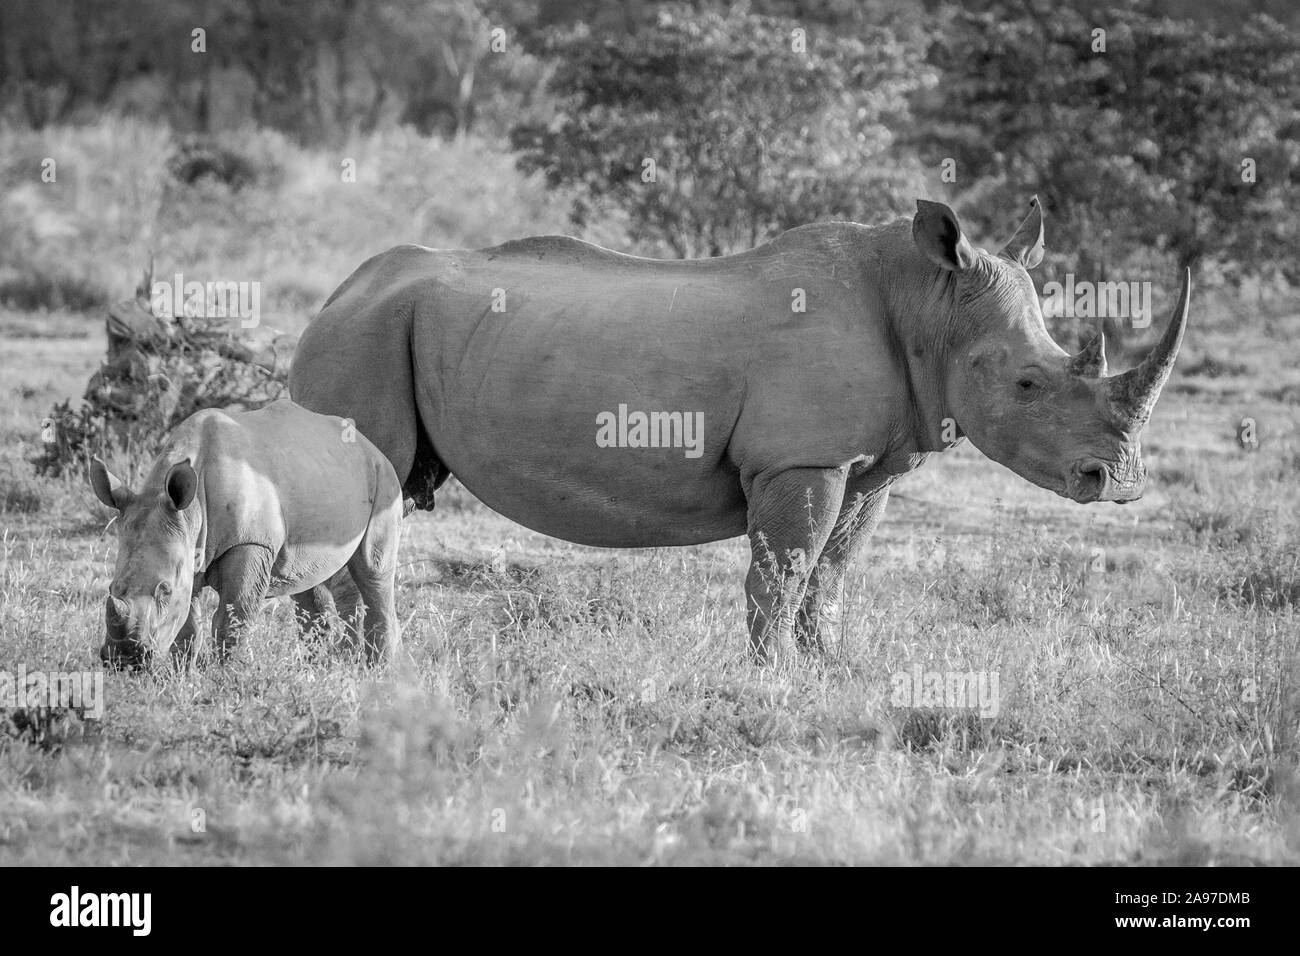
[(1092, 479), (123, 654)]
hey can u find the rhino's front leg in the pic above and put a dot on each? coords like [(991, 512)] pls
[(241, 578), (791, 516), (187, 645), (817, 626)]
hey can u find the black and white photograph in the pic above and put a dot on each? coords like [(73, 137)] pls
[(706, 433)]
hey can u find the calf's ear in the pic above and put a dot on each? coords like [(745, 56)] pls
[(181, 484), (108, 487), (938, 235)]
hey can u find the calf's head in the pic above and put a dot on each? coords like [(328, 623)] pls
[(1057, 419), (149, 599)]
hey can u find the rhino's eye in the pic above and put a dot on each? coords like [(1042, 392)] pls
[(163, 593), (1027, 386)]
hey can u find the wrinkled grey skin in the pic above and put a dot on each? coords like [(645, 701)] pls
[(255, 505), (911, 338)]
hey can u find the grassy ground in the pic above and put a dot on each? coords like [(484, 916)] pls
[(561, 704)]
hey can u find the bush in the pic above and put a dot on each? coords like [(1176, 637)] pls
[(35, 290), (198, 157), (18, 493), (158, 372), (1266, 574)]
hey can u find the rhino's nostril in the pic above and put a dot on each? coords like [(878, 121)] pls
[(1091, 477)]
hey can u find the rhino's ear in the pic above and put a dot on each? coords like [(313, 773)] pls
[(938, 235), (108, 487), (1026, 246), (181, 484)]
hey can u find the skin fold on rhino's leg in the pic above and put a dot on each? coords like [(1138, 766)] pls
[(241, 578), (791, 517), (817, 626)]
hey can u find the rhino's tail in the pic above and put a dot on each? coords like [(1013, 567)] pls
[(354, 361), (428, 471)]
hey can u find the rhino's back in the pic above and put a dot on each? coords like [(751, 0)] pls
[(725, 288), (538, 266)]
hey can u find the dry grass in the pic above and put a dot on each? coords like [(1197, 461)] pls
[(562, 704)]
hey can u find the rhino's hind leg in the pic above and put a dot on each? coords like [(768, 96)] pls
[(313, 609), (817, 626), (347, 602), (376, 619), (791, 516), (241, 578), (373, 568)]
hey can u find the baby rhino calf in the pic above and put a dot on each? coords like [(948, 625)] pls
[(254, 505)]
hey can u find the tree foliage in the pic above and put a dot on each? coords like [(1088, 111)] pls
[(317, 69), (1142, 145), (714, 132)]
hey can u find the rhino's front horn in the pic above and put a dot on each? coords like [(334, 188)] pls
[(1133, 394), (1091, 362)]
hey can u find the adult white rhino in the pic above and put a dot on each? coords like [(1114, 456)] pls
[(821, 367)]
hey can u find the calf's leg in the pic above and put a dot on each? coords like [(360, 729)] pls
[(347, 601), (187, 644), (241, 578), (373, 567), (312, 608)]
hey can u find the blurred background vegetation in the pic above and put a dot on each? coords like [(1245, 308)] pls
[(659, 128)]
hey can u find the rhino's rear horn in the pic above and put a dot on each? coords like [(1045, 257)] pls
[(1026, 245), (1091, 361), (1133, 394)]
